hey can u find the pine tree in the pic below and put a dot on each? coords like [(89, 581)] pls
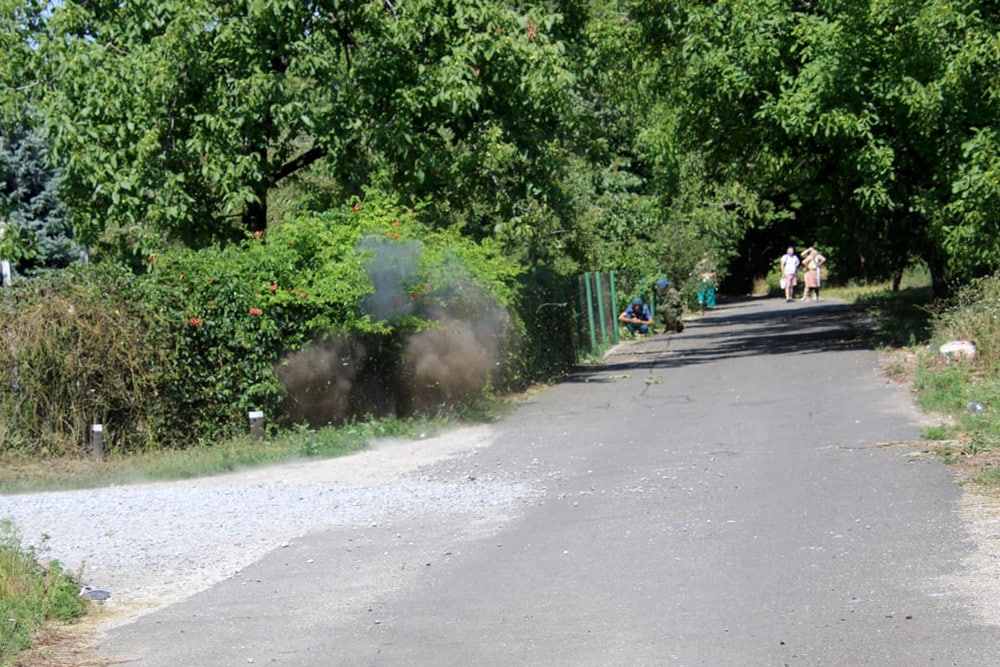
[(29, 203)]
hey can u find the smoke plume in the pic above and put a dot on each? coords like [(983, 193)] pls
[(450, 361)]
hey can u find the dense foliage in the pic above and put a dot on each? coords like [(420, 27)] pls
[(362, 309), (562, 130), (177, 119), (869, 125), (536, 140)]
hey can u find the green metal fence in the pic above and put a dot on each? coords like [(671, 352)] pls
[(598, 321)]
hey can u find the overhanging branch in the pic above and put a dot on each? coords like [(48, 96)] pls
[(302, 161)]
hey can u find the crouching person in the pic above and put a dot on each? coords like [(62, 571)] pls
[(637, 318), (669, 306)]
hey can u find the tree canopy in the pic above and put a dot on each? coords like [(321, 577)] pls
[(178, 118), (629, 133)]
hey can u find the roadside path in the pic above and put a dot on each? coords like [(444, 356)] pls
[(737, 495)]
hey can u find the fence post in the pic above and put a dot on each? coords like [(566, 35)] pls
[(599, 281), (590, 312), (614, 306)]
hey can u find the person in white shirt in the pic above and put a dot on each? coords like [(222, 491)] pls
[(789, 267)]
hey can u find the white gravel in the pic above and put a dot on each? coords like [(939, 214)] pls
[(153, 544)]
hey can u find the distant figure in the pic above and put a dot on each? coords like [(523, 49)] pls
[(637, 318), (669, 306), (813, 261), (706, 275), (789, 267)]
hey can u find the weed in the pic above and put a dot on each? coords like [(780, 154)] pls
[(988, 478), (949, 455), (980, 442), (30, 594), (937, 432)]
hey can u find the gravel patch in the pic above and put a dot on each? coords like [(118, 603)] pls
[(155, 544)]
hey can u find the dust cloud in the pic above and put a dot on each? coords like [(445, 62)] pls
[(448, 364), (449, 361), (319, 379)]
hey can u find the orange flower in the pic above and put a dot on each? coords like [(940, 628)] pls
[(274, 286), (194, 321), (356, 207), (151, 259), (256, 311), (258, 234)]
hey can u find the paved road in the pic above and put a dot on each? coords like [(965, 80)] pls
[(727, 496)]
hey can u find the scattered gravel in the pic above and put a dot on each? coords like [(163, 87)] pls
[(153, 544)]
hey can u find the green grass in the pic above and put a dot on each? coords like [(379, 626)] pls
[(910, 319), (30, 595), (989, 478), (209, 459)]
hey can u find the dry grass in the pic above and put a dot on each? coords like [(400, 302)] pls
[(62, 645)]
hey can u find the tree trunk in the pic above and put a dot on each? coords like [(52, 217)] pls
[(940, 283), (255, 217)]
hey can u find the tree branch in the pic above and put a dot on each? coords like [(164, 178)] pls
[(304, 160)]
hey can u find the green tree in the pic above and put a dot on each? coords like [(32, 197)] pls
[(29, 202), (20, 27), (869, 122), (177, 119)]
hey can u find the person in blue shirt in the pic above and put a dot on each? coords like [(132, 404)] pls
[(637, 318)]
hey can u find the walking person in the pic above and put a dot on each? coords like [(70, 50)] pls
[(813, 261), (789, 267)]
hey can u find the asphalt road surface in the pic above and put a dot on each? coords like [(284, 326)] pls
[(740, 494)]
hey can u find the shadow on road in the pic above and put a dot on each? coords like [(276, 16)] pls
[(737, 328)]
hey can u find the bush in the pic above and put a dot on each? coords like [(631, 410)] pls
[(360, 310), (79, 353), (974, 314)]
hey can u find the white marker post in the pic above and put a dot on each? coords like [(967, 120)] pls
[(256, 424), (5, 263), (97, 440)]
